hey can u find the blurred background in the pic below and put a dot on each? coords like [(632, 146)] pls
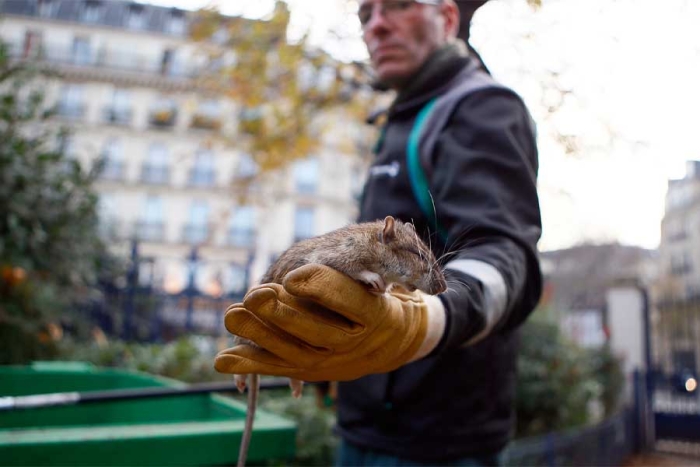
[(156, 156)]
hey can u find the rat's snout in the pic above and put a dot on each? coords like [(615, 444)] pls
[(438, 284), (433, 282)]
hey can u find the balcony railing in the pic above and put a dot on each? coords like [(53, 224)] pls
[(150, 231), (195, 233), (243, 238), (155, 175), (206, 122), (162, 118), (117, 116), (104, 59)]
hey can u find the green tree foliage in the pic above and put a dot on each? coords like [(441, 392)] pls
[(50, 250)]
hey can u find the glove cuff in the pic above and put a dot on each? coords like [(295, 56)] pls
[(436, 322)]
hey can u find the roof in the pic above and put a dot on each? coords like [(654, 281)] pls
[(114, 13)]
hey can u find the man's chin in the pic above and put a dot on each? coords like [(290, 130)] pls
[(392, 77)]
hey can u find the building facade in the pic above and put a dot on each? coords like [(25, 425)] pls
[(679, 249), (675, 313), (173, 172)]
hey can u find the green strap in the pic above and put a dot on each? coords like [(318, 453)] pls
[(419, 181)]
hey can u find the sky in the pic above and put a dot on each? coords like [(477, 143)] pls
[(629, 72)]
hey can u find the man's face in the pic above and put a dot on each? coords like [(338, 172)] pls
[(401, 35)]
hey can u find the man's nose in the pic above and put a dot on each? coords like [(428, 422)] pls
[(376, 19)]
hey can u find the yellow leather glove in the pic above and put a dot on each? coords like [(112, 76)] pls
[(322, 326)]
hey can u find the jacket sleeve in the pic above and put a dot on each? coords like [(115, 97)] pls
[(484, 184)]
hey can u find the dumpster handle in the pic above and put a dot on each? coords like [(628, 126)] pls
[(71, 398)]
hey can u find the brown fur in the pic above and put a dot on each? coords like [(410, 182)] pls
[(390, 248)]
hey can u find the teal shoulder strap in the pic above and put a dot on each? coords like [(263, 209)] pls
[(416, 173)]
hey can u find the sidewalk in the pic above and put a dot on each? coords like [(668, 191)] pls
[(655, 459)]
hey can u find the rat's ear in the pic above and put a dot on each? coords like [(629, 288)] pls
[(389, 232)]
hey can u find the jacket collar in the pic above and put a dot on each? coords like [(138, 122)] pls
[(432, 78)]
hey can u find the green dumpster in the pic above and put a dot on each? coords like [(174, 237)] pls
[(197, 429)]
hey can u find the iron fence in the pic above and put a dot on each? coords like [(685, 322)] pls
[(144, 313), (607, 443)]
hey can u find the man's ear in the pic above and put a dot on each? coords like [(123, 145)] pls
[(450, 12), (389, 231)]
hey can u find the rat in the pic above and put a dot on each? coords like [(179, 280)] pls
[(379, 254)]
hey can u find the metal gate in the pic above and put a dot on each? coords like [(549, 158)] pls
[(672, 382)]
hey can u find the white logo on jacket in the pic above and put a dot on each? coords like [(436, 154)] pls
[(389, 170)]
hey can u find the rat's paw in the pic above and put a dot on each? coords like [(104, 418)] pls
[(375, 282), (240, 382), (297, 387)]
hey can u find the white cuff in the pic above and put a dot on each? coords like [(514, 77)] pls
[(495, 292), (436, 325)]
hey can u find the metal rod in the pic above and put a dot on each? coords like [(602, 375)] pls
[(36, 401)]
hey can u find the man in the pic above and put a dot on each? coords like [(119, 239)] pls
[(424, 379)]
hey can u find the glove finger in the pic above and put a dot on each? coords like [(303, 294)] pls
[(247, 359), (310, 322), (235, 305), (241, 322), (262, 296), (335, 291)]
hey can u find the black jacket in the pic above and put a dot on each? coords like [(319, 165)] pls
[(458, 401)]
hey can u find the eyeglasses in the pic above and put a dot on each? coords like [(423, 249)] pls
[(390, 9)]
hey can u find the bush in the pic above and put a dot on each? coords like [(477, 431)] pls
[(182, 359), (50, 250), (559, 382)]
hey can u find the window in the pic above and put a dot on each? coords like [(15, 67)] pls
[(107, 211), (107, 207), (303, 223), (163, 113), (32, 44), (171, 64), (681, 265), (150, 227), (236, 280), (176, 25), (221, 36), (47, 8), (247, 167), (113, 160), (71, 101), (92, 11), (250, 120), (119, 111), (136, 19), (207, 115), (196, 230), (241, 232), (306, 176), (81, 53), (156, 168), (202, 173)]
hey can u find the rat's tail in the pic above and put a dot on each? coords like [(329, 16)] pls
[(253, 391)]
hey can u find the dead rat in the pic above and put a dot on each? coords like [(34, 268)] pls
[(380, 254)]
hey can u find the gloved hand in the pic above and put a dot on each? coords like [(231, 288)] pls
[(321, 325)]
